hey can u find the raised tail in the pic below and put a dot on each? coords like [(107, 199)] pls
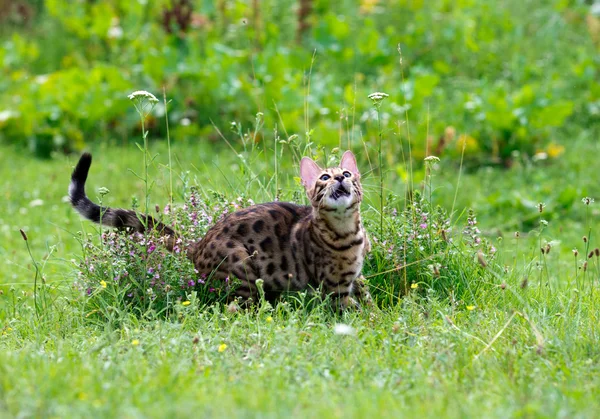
[(111, 217)]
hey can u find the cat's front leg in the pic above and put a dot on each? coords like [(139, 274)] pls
[(361, 291)]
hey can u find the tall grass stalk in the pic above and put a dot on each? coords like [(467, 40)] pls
[(37, 274), (168, 147), (377, 98)]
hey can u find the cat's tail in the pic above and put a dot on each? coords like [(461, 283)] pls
[(111, 217)]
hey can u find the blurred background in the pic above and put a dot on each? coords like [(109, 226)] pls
[(509, 91), (501, 77)]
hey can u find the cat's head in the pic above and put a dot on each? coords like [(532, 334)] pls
[(335, 187)]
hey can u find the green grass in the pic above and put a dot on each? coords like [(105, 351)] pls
[(505, 352)]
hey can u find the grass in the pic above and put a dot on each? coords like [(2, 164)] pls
[(507, 351), (517, 337)]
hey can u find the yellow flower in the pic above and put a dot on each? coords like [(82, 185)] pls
[(135, 342), (555, 150), (103, 284), (469, 143), (185, 303), (414, 286), (222, 347), (269, 319), (470, 308)]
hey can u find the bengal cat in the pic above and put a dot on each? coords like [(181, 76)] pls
[(290, 247)]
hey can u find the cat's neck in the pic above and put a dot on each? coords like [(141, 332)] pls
[(341, 221)]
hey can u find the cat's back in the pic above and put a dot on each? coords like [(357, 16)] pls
[(270, 213), (263, 227)]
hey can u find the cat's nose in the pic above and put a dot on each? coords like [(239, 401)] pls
[(339, 178)]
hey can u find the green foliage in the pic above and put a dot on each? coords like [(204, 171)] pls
[(421, 252), (506, 80)]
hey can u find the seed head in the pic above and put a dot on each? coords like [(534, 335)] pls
[(541, 207), (23, 234), (575, 252), (591, 254), (517, 234), (481, 259), (587, 200), (584, 239)]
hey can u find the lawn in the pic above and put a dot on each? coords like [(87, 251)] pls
[(496, 316)]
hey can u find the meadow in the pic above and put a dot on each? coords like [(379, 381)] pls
[(484, 266)]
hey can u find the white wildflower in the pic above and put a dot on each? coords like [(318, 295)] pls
[(36, 203), (142, 94), (6, 115), (587, 200), (432, 159), (343, 329), (377, 96), (115, 32)]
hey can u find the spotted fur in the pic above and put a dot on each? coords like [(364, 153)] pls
[(290, 247)]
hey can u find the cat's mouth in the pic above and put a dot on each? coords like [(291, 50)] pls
[(341, 191)]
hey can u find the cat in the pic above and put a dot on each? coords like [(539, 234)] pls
[(290, 247)]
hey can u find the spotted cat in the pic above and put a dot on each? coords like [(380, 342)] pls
[(290, 247)]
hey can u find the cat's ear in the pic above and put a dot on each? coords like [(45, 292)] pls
[(309, 172), (349, 162)]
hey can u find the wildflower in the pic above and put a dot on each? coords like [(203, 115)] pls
[(269, 319), (470, 308), (544, 222), (343, 329), (222, 347), (103, 191), (103, 284), (186, 303), (414, 285), (135, 342), (575, 252), (587, 200), (377, 96), (142, 94), (432, 159), (152, 248), (423, 225)]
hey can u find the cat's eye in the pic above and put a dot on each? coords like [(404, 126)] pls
[(347, 174), (325, 177)]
